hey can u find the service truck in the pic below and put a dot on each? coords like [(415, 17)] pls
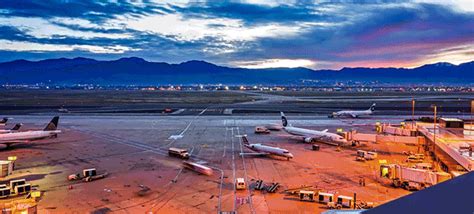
[(412, 178), (177, 152)]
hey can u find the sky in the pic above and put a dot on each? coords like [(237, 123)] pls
[(245, 33)]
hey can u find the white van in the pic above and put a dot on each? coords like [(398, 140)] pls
[(240, 183)]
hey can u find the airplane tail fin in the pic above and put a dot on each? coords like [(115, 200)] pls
[(4, 120), (372, 107), (16, 127), (284, 121), (53, 125), (245, 140)]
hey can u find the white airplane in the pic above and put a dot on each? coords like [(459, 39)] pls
[(353, 113), (3, 122), (311, 136), (49, 131), (15, 128), (265, 150)]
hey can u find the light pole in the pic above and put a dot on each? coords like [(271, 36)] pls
[(413, 111), (471, 128), (435, 110)]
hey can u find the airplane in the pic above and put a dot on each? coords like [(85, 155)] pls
[(265, 150), (3, 122), (50, 131), (353, 113), (15, 128), (311, 136)]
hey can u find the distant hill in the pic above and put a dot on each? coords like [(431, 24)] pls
[(137, 71)]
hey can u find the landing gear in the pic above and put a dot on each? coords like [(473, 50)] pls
[(397, 183)]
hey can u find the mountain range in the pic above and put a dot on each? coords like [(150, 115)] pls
[(137, 71)]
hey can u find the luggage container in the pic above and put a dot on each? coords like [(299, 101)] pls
[(4, 191), (361, 153), (14, 183), (6, 168), (371, 155), (345, 201), (89, 172), (22, 189), (305, 195), (324, 197)]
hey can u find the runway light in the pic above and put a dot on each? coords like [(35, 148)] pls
[(339, 130), (12, 158)]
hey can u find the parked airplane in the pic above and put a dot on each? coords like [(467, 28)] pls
[(3, 122), (49, 131), (261, 149), (353, 113), (311, 136), (15, 128)]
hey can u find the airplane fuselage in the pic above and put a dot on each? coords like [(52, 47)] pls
[(27, 136), (270, 150), (352, 113), (311, 135)]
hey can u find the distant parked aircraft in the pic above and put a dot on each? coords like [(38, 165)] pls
[(49, 131), (15, 128), (353, 113), (311, 136), (261, 149)]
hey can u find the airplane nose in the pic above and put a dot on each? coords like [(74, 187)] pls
[(290, 155)]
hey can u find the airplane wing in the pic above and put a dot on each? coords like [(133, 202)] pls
[(14, 141), (319, 138), (325, 130)]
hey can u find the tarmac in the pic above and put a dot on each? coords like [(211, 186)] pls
[(142, 177), (130, 142)]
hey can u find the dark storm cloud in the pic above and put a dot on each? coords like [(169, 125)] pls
[(376, 33), (333, 33), (253, 14), (93, 10)]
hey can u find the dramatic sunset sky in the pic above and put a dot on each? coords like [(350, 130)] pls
[(252, 33)]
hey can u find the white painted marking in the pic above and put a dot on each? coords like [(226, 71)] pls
[(175, 137)]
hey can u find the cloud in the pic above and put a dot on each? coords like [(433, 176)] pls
[(96, 11), (380, 34), (37, 47), (258, 33), (191, 29), (276, 63), (41, 28)]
